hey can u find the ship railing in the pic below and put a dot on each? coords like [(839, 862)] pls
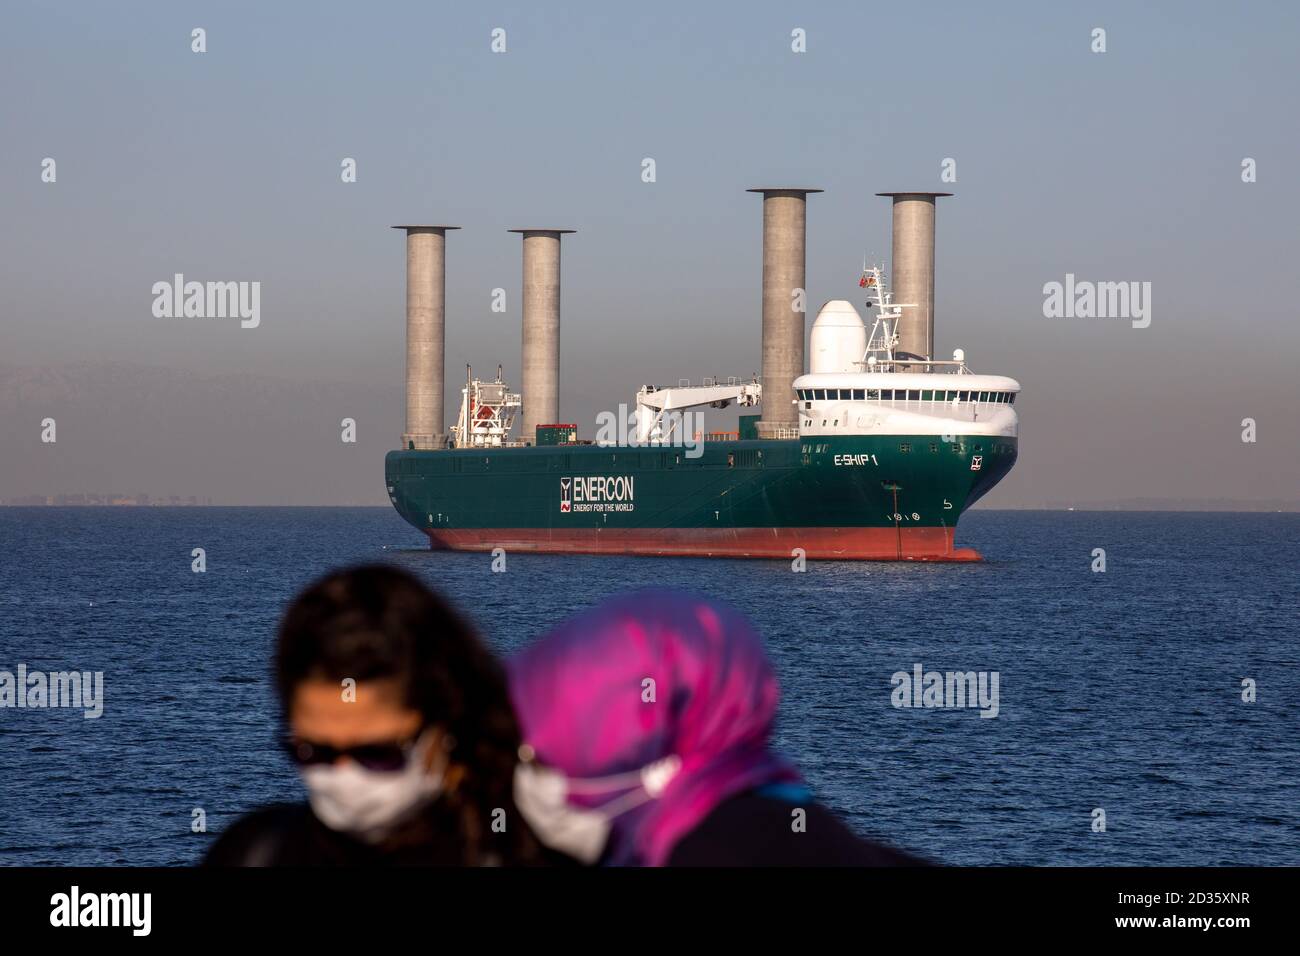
[(717, 436), (937, 366), (709, 381), (414, 442), (500, 444)]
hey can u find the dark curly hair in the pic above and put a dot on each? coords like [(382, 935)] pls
[(378, 622)]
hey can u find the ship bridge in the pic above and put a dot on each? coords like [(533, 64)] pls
[(906, 403), (861, 384)]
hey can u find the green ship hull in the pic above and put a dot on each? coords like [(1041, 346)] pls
[(840, 497)]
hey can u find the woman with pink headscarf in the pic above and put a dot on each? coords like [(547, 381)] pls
[(646, 724)]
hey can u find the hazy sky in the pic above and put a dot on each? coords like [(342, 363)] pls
[(1116, 166)]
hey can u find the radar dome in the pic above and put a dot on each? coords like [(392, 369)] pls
[(838, 340)]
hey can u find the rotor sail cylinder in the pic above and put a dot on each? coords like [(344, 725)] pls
[(426, 309), (912, 270)]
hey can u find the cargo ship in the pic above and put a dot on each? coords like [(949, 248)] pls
[(874, 455)]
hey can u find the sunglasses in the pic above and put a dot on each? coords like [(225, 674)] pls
[(388, 757)]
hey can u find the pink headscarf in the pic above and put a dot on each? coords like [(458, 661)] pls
[(581, 694)]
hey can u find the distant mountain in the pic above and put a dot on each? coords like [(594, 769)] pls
[(238, 439)]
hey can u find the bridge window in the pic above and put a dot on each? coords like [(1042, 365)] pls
[(859, 395)]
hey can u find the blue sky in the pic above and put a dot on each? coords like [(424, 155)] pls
[(1124, 165)]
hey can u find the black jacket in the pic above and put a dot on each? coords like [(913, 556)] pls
[(756, 830), (291, 835)]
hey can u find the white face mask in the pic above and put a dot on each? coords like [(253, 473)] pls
[(542, 796), (367, 804)]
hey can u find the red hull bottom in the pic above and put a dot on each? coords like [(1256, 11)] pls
[(844, 544)]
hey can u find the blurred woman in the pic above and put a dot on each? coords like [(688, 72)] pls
[(646, 726), (400, 724)]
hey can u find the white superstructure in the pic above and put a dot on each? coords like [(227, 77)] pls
[(487, 410), (865, 389)]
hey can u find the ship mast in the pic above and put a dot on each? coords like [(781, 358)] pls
[(884, 331), (879, 355)]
